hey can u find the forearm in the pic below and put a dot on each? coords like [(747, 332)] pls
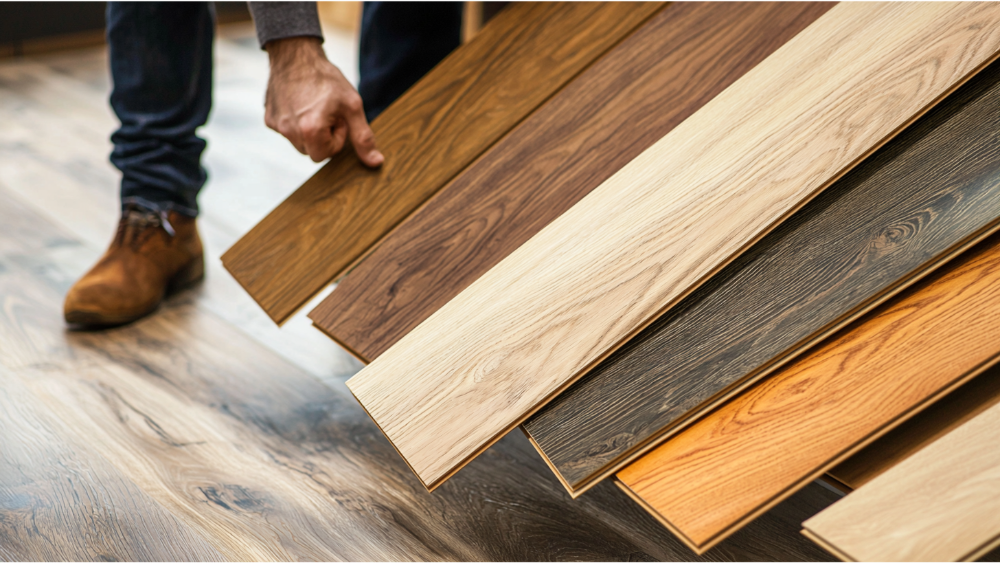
[(281, 20)]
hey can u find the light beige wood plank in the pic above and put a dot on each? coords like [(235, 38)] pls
[(664, 223), (941, 504)]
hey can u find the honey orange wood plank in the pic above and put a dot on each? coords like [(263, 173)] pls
[(941, 504), (923, 198), (477, 94), (949, 413), (673, 216), (731, 466), (638, 92)]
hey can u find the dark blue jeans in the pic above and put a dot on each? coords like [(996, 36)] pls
[(401, 42), (161, 67)]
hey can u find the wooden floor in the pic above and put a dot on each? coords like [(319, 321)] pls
[(204, 432)]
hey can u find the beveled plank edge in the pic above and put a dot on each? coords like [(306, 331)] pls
[(699, 550), (548, 462), (377, 425), (986, 548), (734, 389), (816, 539), (960, 414), (858, 446), (831, 480), (280, 319), (357, 355)]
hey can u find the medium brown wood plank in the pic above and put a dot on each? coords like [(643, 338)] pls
[(665, 71), (734, 464), (925, 196), (941, 504), (271, 463), (467, 102), (675, 215), (920, 431)]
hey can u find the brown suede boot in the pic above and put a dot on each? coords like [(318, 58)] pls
[(148, 259)]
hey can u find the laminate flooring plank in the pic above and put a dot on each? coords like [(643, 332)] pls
[(433, 131), (266, 461), (667, 221), (941, 504), (61, 501), (731, 466), (928, 194), (676, 62), (920, 431)]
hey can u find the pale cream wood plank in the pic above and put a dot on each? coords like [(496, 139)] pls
[(941, 504), (664, 223)]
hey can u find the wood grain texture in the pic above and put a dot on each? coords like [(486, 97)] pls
[(732, 465), (941, 504), (261, 459), (60, 501), (646, 237), (678, 61), (214, 351), (928, 194), (915, 434), (428, 135)]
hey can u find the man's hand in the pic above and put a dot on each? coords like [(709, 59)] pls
[(311, 103)]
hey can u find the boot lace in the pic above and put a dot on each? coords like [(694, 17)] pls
[(138, 224)]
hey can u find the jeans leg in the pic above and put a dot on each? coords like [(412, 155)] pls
[(401, 42), (161, 67)]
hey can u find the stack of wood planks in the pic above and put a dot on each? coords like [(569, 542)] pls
[(712, 251)]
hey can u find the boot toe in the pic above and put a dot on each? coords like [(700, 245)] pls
[(99, 304)]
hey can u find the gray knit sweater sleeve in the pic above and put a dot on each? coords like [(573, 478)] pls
[(278, 20)]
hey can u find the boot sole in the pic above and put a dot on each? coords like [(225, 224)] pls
[(186, 277)]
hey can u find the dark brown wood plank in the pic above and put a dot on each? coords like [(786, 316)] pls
[(475, 96), (918, 201), (264, 458), (617, 108)]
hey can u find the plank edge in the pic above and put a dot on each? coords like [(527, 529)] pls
[(818, 540)]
